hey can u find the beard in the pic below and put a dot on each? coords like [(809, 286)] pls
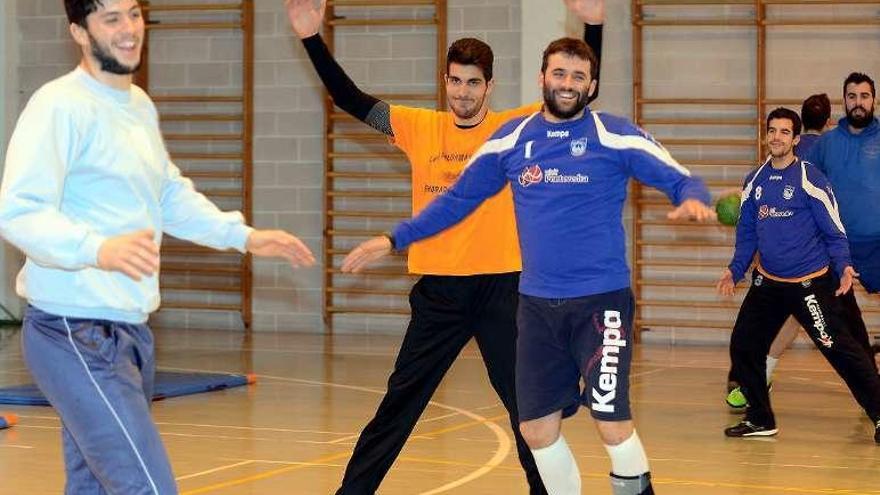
[(468, 112), (860, 121), (108, 62), (781, 153), (557, 111)]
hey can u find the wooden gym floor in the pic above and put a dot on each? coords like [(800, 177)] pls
[(293, 431)]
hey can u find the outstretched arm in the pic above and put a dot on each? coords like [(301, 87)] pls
[(483, 178), (305, 20)]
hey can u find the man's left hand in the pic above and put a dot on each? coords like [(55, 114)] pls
[(588, 11), (846, 281), (279, 244)]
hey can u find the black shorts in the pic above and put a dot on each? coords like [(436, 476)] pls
[(562, 341)]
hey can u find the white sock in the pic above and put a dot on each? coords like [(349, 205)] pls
[(771, 365), (628, 458), (559, 470)]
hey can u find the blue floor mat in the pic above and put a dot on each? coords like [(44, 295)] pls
[(168, 384)]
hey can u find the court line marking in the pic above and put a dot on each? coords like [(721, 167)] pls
[(267, 474), (214, 470), (503, 450), (504, 442)]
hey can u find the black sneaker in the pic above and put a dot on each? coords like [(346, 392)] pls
[(747, 429)]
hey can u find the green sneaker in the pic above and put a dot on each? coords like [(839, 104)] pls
[(736, 399)]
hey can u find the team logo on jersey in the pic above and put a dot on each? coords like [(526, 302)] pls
[(531, 175), (578, 147), (788, 192), (758, 192), (771, 212)]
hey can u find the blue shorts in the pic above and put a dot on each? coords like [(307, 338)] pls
[(866, 261), (562, 341)]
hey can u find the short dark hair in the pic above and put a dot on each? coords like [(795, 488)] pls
[(572, 47), (471, 51), (78, 10), (859, 78), (788, 114), (815, 112)]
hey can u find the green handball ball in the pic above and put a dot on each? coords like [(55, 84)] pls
[(727, 209)]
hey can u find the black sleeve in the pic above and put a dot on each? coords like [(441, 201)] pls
[(345, 93), (593, 37)]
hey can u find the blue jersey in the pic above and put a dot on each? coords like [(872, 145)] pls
[(852, 164), (569, 184), (807, 141), (790, 218)]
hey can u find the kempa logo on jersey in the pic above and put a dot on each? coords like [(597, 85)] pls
[(611, 344), (558, 134), (818, 320), (765, 211)]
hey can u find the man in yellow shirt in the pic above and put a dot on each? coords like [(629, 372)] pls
[(470, 273)]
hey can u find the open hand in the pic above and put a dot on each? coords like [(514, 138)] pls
[(136, 254), (304, 17), (366, 253), (280, 244), (726, 285), (692, 209), (588, 11)]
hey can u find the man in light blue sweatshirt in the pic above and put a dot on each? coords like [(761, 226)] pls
[(87, 192)]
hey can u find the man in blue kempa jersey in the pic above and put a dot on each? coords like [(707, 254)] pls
[(568, 168), (789, 219), (849, 156), (87, 192), (816, 119)]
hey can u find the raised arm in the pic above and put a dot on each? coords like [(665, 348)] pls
[(592, 14), (649, 162), (305, 20)]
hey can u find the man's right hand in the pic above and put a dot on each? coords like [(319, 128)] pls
[(726, 286), (305, 18), (136, 255)]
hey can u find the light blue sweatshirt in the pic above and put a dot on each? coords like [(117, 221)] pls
[(86, 163)]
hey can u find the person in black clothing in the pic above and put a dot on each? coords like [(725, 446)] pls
[(790, 222)]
